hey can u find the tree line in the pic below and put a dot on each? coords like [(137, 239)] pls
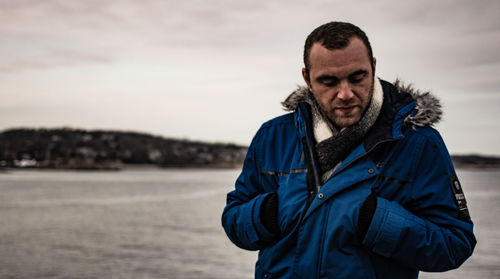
[(99, 149)]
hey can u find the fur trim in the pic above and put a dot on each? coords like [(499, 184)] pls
[(428, 108), (301, 94)]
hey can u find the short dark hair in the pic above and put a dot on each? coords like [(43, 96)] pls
[(335, 35)]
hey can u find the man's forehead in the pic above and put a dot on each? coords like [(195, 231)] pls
[(353, 57)]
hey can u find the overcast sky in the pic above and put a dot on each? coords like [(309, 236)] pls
[(215, 70)]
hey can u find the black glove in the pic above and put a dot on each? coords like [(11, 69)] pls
[(269, 213), (366, 213)]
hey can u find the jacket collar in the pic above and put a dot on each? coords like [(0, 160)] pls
[(403, 107)]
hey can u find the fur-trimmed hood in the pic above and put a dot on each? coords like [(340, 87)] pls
[(428, 107)]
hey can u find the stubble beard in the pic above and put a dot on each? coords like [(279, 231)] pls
[(344, 121)]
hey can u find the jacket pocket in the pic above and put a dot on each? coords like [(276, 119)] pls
[(341, 254), (292, 199)]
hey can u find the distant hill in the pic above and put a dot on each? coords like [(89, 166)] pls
[(82, 149), (475, 161)]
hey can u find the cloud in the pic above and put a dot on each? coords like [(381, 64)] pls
[(38, 34), (230, 61)]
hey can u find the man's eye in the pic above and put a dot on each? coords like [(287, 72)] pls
[(329, 82), (357, 78)]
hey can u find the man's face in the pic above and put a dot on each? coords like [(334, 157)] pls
[(341, 81)]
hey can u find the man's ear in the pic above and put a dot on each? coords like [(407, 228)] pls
[(374, 64), (305, 75)]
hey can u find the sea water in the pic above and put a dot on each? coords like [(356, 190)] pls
[(163, 223)]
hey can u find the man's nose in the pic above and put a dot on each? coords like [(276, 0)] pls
[(345, 92)]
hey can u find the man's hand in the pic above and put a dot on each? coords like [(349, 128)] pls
[(366, 213), (269, 213)]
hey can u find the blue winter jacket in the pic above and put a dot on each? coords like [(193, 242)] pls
[(420, 222)]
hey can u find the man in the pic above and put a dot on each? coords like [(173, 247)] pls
[(354, 183)]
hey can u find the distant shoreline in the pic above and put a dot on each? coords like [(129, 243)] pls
[(77, 149), (475, 161), (481, 163), (125, 167)]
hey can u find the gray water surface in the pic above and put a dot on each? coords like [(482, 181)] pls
[(156, 223)]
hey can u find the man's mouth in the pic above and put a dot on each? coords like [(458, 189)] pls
[(346, 109)]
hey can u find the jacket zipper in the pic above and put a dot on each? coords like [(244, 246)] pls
[(311, 166), (310, 161)]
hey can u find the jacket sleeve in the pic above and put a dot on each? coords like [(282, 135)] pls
[(241, 216), (430, 233)]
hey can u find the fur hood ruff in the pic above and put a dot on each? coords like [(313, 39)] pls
[(428, 106)]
